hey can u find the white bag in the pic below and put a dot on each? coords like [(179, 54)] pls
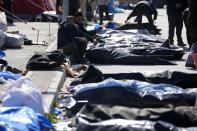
[(2, 38), (14, 41), (23, 93), (3, 21)]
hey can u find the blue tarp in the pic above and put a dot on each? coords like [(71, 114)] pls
[(22, 119), (8, 75), (112, 8)]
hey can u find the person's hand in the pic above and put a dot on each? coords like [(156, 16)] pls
[(94, 42), (60, 9)]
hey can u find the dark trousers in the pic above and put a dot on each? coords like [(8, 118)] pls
[(175, 21), (192, 30), (148, 16), (188, 28), (103, 9)]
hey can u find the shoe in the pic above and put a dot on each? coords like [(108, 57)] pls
[(166, 44)]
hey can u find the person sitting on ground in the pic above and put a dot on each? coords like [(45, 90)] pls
[(90, 35), (72, 40), (143, 8)]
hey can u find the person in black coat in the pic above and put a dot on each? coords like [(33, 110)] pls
[(143, 8), (7, 5), (192, 22), (72, 40), (90, 35), (175, 9)]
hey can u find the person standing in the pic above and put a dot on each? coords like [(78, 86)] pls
[(73, 7), (93, 7), (192, 21), (83, 7), (175, 9), (65, 10), (102, 6), (7, 5), (59, 9), (70, 7)]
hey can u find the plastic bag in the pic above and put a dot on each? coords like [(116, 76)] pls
[(3, 18), (23, 93), (14, 41), (2, 38), (3, 21), (22, 119)]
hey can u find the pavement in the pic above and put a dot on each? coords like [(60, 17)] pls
[(162, 23), (51, 81)]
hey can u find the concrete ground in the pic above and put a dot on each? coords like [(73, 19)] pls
[(162, 23), (49, 81), (19, 57)]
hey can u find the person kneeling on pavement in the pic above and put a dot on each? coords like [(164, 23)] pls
[(143, 8), (72, 40)]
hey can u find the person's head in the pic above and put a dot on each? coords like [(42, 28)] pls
[(79, 18), (70, 21)]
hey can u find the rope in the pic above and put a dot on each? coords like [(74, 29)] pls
[(17, 19), (39, 6)]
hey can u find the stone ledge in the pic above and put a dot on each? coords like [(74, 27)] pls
[(49, 83)]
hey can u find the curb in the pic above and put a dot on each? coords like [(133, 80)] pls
[(56, 82)]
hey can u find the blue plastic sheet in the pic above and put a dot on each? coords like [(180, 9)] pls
[(112, 8), (2, 54), (8, 75), (22, 119)]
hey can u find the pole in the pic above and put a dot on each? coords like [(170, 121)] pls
[(49, 27), (38, 36)]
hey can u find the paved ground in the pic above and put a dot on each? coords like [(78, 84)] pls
[(162, 23), (19, 57)]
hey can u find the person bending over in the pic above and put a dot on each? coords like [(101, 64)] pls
[(143, 8)]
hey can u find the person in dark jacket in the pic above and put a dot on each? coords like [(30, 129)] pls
[(72, 40), (7, 5), (187, 26), (175, 9), (90, 35), (192, 22), (143, 8)]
